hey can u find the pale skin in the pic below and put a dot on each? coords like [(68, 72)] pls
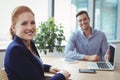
[(84, 23), (25, 28)]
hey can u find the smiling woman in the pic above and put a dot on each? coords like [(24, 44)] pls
[(22, 55), (39, 7)]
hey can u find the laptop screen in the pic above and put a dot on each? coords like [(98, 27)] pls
[(112, 52)]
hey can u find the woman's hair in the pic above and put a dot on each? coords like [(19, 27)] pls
[(15, 14)]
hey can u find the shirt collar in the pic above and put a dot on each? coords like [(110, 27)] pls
[(91, 29)]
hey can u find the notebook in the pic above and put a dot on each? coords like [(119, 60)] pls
[(103, 65)]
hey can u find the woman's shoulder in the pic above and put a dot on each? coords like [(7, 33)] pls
[(13, 44), (14, 47)]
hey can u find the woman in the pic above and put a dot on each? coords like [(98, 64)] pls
[(22, 61)]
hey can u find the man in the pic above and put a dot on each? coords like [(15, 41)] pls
[(87, 44)]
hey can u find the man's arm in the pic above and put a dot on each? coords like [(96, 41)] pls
[(70, 49), (107, 55), (91, 58), (74, 55), (105, 48)]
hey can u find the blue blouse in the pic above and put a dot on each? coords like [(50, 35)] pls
[(20, 64)]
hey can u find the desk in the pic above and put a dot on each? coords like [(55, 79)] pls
[(74, 67)]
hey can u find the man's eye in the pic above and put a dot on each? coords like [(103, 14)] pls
[(33, 22), (85, 19), (80, 20), (24, 23)]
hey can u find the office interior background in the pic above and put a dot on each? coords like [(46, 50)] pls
[(104, 16)]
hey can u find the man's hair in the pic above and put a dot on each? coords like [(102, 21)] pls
[(82, 12)]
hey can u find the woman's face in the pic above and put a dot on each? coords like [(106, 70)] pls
[(25, 26)]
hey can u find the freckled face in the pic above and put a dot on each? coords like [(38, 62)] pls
[(84, 21), (25, 26)]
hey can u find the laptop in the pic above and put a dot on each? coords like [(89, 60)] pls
[(103, 65)]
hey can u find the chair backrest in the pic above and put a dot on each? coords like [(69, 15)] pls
[(3, 74)]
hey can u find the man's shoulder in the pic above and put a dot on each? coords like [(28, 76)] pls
[(98, 31), (74, 35)]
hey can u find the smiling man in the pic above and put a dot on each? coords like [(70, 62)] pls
[(87, 44)]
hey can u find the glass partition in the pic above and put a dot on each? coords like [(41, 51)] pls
[(106, 17)]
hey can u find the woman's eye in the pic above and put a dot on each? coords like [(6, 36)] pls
[(24, 23)]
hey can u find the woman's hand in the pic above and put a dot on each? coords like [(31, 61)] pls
[(54, 70), (65, 73)]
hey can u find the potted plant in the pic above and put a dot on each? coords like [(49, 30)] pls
[(49, 35)]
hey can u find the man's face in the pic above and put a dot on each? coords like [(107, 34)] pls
[(84, 21)]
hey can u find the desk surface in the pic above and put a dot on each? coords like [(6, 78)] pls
[(74, 67)]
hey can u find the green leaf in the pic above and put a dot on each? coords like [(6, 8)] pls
[(49, 34)]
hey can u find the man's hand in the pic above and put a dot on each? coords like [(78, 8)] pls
[(92, 58), (107, 55)]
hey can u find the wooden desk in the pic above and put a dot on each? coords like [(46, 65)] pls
[(74, 67)]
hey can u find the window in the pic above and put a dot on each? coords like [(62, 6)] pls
[(106, 17), (39, 7), (103, 15), (65, 13), (98, 11), (77, 5)]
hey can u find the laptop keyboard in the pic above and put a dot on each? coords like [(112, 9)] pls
[(102, 65)]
